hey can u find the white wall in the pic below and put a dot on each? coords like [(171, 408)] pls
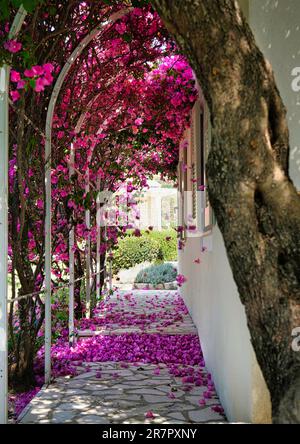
[(276, 25), (212, 299)]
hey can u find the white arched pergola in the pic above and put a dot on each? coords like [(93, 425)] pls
[(4, 131), (48, 149)]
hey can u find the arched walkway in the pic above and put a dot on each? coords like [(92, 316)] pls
[(149, 368), (142, 360)]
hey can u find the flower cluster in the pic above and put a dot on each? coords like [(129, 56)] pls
[(37, 76)]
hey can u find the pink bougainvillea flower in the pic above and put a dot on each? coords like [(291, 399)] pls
[(60, 134), (121, 28), (197, 261), (40, 204), (139, 122), (47, 79), (29, 73), (135, 129), (48, 68), (71, 204), (37, 70), (181, 245), (218, 409), (207, 395), (13, 46), (21, 84), (188, 379), (181, 280), (149, 415), (202, 402), (14, 95), (63, 193), (15, 76), (39, 85)]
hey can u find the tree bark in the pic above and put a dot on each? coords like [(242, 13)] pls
[(256, 205)]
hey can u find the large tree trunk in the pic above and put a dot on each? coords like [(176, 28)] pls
[(256, 205)]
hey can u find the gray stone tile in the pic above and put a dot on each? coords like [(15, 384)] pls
[(125, 399), (204, 415)]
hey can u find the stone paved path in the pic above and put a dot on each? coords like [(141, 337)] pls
[(138, 303), (127, 391)]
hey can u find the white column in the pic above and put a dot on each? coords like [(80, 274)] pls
[(48, 254), (88, 250), (105, 240), (71, 259), (4, 74), (110, 273), (158, 212), (98, 257), (4, 131)]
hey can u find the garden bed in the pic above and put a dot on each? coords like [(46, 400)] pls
[(157, 277), (165, 286)]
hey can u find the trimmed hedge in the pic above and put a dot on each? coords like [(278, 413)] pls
[(150, 247), (168, 248), (157, 274)]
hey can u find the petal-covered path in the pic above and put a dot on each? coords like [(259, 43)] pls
[(139, 361)]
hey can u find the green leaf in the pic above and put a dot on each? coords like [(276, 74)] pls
[(16, 3), (4, 9), (139, 3), (88, 201), (127, 38), (32, 83), (52, 10)]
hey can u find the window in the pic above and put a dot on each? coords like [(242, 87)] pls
[(208, 212), (181, 182), (201, 133)]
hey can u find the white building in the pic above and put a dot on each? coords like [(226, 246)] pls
[(157, 207), (210, 291)]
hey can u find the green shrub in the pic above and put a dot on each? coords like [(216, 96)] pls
[(152, 246), (157, 274), (134, 250), (167, 240)]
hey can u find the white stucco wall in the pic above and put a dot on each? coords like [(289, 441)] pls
[(276, 25), (210, 291), (212, 299)]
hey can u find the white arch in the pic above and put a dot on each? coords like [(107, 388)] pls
[(48, 250), (4, 132)]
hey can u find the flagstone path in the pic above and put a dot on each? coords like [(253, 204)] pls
[(129, 392)]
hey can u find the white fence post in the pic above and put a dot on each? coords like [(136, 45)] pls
[(4, 132), (88, 250), (110, 272), (48, 252), (71, 259), (4, 73), (98, 257)]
